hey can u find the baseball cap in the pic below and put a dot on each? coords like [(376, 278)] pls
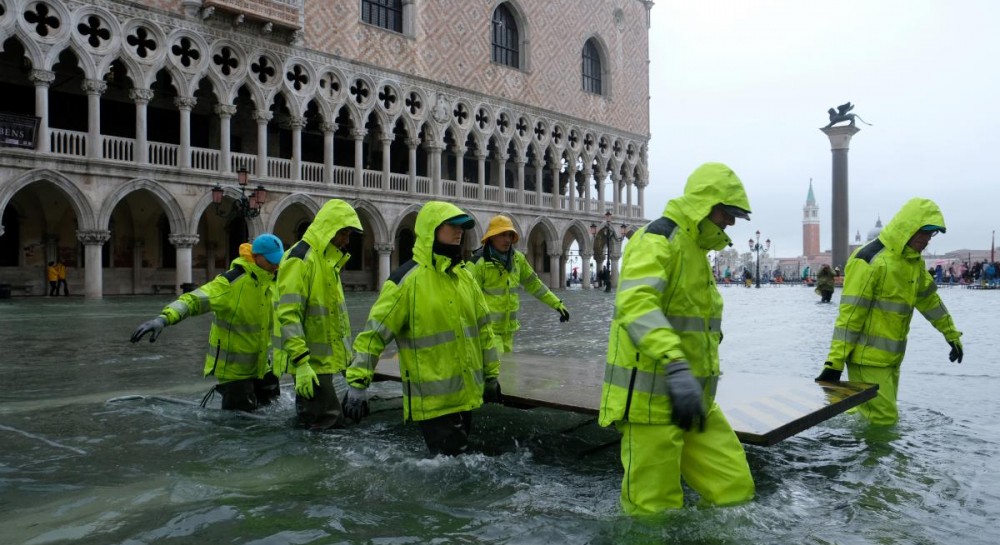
[(736, 211), (270, 247), (464, 221), (932, 228)]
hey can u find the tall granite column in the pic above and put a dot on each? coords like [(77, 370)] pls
[(840, 140), (93, 274), (182, 247)]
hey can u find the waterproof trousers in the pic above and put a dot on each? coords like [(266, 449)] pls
[(447, 434), (656, 456), (880, 411), (322, 411)]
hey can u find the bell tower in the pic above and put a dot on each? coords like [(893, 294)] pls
[(810, 225)]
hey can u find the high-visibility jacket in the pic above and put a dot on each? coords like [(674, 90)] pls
[(884, 281), (667, 306), (500, 280), (311, 321), (241, 300), (61, 271), (437, 315), (51, 273)]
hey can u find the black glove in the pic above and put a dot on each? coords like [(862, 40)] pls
[(154, 326), (685, 397), (491, 391), (956, 351), (720, 337), (563, 314), (828, 374), (355, 403)]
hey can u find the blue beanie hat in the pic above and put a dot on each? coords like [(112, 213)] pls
[(270, 247)]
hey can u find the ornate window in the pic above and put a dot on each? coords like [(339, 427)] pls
[(506, 44), (592, 68), (387, 14)]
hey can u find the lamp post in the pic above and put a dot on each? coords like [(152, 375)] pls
[(246, 206), (609, 235), (756, 248)]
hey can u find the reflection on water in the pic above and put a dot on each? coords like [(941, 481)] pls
[(103, 442)]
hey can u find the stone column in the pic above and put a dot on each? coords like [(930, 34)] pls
[(556, 204), (640, 186), (628, 196), (328, 130), (601, 195), (539, 164), (225, 113), (94, 89), (93, 274), (614, 269), (183, 245), (412, 144), (358, 135), (571, 184), (840, 141), (585, 270), (386, 141), (184, 106), (588, 180), (459, 151), (384, 262), (481, 174), (519, 163), (501, 179), (296, 123), (141, 97), (434, 166), (616, 197), (262, 117), (42, 79), (554, 257)]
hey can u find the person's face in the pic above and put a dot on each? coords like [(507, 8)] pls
[(263, 263), (720, 218), (503, 241), (342, 238), (449, 234), (920, 240)]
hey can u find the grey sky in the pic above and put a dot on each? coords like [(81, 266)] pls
[(748, 83)]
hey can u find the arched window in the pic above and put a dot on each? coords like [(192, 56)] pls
[(387, 14), (506, 47), (591, 68)]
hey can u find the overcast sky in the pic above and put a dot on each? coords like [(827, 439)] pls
[(748, 83)]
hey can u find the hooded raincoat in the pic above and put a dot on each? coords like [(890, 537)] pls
[(499, 279), (437, 315), (241, 300), (311, 321), (884, 281)]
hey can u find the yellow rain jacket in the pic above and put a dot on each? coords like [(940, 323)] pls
[(667, 306), (240, 338), (437, 315), (884, 281), (311, 321)]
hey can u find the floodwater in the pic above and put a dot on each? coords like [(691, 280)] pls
[(103, 442)]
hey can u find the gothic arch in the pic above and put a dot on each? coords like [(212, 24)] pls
[(256, 224), (376, 220), (295, 198), (81, 204), (84, 61), (175, 215)]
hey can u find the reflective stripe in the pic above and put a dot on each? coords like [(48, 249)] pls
[(930, 289), (291, 299), (495, 291), (642, 325), (242, 328), (444, 386), (427, 341), (886, 306), (483, 321), (490, 355), (232, 357), (502, 316), (180, 308), (472, 332), (651, 383), (935, 313), (381, 330), (365, 361), (291, 331), (882, 343), (317, 349), (203, 299), (654, 282), (317, 310)]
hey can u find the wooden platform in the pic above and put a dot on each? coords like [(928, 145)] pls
[(763, 410)]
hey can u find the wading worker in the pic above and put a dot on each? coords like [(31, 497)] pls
[(884, 281), (663, 357), (240, 338), (434, 310), (500, 270), (312, 327)]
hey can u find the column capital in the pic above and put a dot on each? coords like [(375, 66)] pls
[(458, 149), (94, 237), (329, 127), (141, 96), (296, 122), (42, 77), (358, 134), (840, 137), (519, 161), (641, 182), (434, 147), (413, 143), (586, 257), (183, 241), (384, 248), (554, 253), (94, 86), (386, 140), (539, 162), (225, 110), (185, 103), (262, 116)]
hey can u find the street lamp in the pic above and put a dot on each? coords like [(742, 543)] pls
[(246, 206), (609, 234), (756, 248)]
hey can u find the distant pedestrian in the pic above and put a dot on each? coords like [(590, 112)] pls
[(61, 273), (825, 283), (52, 275)]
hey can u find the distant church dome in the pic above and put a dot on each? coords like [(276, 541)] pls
[(873, 233)]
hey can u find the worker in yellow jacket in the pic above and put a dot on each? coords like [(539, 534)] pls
[(663, 358), (884, 281)]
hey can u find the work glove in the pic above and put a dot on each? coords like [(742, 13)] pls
[(563, 314), (956, 351), (829, 374), (685, 397), (491, 391), (155, 327), (355, 403), (305, 379)]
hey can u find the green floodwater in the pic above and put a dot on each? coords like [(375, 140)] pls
[(102, 442)]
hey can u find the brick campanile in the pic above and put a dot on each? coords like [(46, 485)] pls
[(810, 225)]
